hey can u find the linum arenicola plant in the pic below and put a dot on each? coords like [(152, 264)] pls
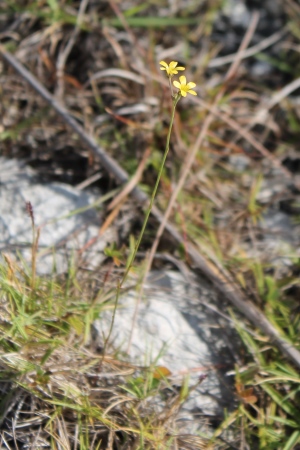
[(184, 88)]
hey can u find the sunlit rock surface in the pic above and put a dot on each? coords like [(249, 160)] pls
[(64, 215), (178, 325)]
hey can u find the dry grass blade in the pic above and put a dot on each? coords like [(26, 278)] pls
[(265, 43), (244, 44), (278, 97), (64, 54), (123, 20), (126, 74), (132, 183)]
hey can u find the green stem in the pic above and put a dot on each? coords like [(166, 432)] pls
[(148, 211), (132, 258)]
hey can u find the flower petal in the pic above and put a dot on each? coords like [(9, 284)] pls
[(182, 79), (183, 93), (176, 84), (191, 84), (180, 68), (192, 92), (163, 63), (173, 64)]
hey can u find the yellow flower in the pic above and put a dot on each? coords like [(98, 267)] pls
[(171, 68), (184, 87)]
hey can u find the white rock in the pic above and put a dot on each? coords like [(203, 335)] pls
[(56, 206), (175, 329)]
